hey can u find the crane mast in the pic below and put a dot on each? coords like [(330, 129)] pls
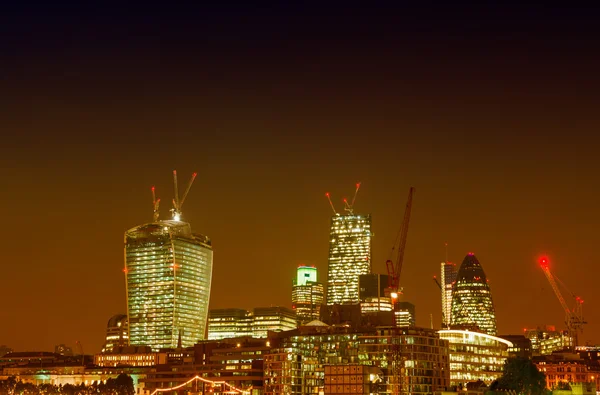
[(574, 320), (395, 268)]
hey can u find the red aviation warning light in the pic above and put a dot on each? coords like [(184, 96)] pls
[(544, 262)]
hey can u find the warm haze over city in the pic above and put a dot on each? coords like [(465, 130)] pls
[(490, 112)]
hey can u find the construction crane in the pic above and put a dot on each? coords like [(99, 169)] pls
[(177, 202), (573, 316), (395, 268), (81, 351), (155, 204), (442, 290), (349, 207)]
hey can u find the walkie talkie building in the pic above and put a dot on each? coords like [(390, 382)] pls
[(168, 276)]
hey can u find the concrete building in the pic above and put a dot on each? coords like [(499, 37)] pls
[(349, 257), (568, 368), (475, 356), (307, 295), (117, 333), (472, 303), (168, 273)]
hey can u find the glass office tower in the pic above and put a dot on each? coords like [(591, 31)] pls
[(168, 275), (307, 295), (472, 303), (349, 257), (448, 277)]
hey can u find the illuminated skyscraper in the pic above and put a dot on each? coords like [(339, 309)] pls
[(168, 270), (349, 257), (472, 303), (448, 276), (307, 295)]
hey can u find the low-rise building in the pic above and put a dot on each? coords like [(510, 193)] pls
[(475, 356)]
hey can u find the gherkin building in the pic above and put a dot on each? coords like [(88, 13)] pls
[(472, 304)]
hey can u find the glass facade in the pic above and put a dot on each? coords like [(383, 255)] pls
[(229, 323), (448, 276), (275, 319), (349, 257), (117, 333), (408, 361), (168, 275), (307, 300), (475, 356), (472, 304)]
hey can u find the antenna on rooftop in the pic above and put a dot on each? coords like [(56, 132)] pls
[(177, 203)]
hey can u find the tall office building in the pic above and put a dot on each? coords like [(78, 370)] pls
[(448, 276), (307, 295), (372, 293), (274, 319), (472, 303), (349, 257), (117, 333), (168, 275)]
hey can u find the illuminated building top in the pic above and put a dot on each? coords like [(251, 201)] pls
[(472, 303), (349, 257), (306, 273)]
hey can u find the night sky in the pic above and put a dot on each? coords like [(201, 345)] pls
[(491, 113)]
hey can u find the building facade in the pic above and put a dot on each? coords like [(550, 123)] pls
[(317, 359), (448, 276), (372, 293), (168, 276), (349, 257), (405, 314), (472, 303), (307, 295), (272, 319), (229, 323), (546, 340), (117, 333), (475, 356)]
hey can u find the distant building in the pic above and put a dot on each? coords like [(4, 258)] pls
[(521, 346), (117, 333), (372, 293), (405, 314), (168, 270), (475, 356), (472, 303), (232, 323), (448, 276), (229, 323), (568, 368), (275, 319), (63, 349), (4, 349), (130, 356), (546, 340), (307, 295), (349, 257)]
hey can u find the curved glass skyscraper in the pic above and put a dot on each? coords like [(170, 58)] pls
[(472, 303), (168, 275)]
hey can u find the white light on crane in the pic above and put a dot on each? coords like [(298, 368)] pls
[(176, 217)]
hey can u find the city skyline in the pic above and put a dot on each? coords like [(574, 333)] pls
[(495, 126)]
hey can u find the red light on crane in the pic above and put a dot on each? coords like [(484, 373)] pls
[(544, 262)]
